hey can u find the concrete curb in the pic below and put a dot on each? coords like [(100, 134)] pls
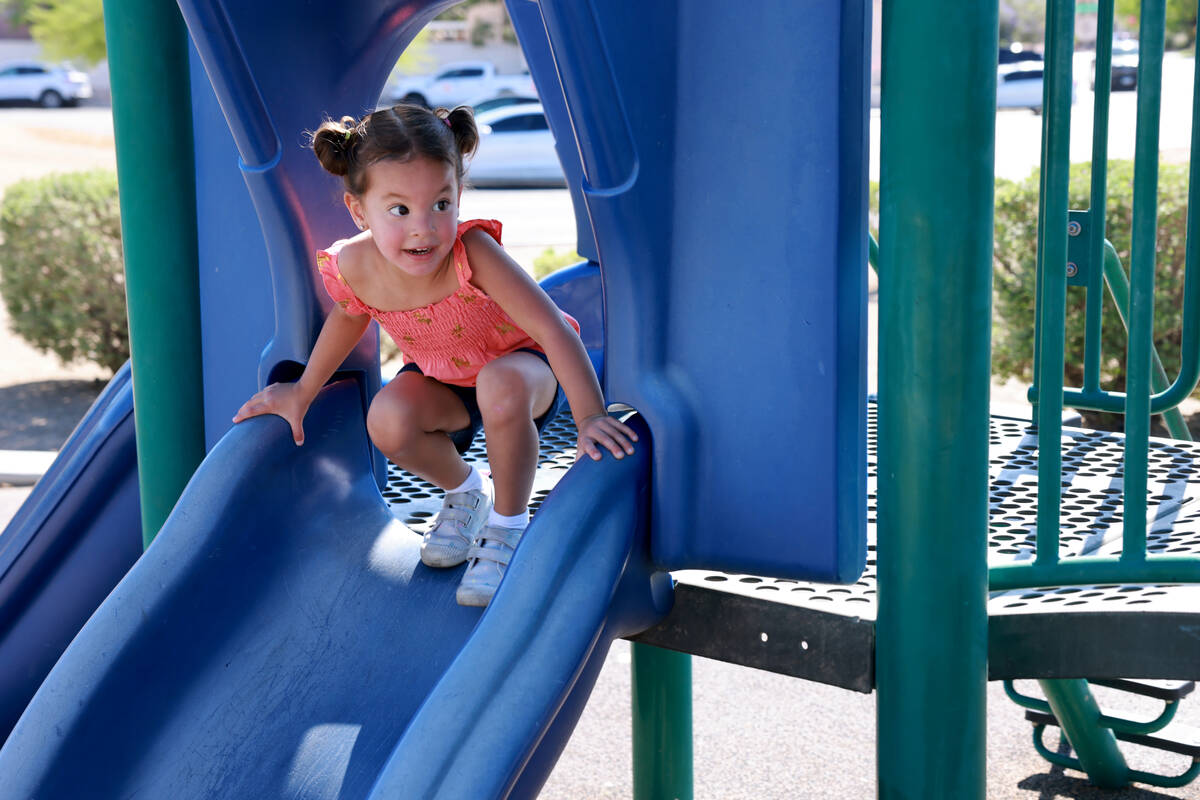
[(24, 467)]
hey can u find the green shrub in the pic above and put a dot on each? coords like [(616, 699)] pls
[(61, 267), (552, 260), (1015, 257)]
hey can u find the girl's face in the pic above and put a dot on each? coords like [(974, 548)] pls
[(411, 209)]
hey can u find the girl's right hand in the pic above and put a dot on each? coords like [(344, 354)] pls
[(283, 400)]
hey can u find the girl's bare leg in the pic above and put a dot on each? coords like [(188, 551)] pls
[(409, 420), (513, 391)]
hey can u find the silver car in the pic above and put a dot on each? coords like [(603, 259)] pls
[(47, 85), (516, 148)]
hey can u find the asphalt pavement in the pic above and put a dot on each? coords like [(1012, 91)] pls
[(761, 736)]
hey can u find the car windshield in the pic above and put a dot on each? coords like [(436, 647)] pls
[(1022, 75), (1012, 56), (502, 102)]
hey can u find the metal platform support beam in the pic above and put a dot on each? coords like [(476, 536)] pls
[(936, 201), (1094, 745)]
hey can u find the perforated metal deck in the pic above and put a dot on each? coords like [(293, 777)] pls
[(825, 632)]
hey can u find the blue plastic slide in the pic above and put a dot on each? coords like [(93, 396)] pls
[(72, 540), (280, 638)]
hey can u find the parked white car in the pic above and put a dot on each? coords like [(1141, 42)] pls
[(47, 85), (1020, 86), (462, 83), (516, 148)]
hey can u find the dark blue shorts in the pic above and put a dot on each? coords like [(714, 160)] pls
[(463, 438)]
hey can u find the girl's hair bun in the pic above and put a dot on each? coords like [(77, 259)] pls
[(461, 121), (334, 144), (349, 147)]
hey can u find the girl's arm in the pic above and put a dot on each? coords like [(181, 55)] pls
[(339, 335), (502, 279)]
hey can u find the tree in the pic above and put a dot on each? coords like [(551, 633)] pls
[(69, 29), (1022, 21), (17, 11), (416, 58), (1180, 19)]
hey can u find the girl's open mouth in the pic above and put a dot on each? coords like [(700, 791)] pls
[(419, 251)]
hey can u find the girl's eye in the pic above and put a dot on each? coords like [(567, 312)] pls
[(398, 211), (442, 205)]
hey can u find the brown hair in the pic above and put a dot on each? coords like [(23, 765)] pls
[(349, 146)]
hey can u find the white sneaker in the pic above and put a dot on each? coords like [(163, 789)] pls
[(489, 559), (449, 540)]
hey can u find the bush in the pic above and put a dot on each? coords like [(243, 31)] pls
[(1015, 256), (552, 260), (61, 266)]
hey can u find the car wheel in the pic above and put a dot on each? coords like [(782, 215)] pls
[(416, 97), (50, 99)]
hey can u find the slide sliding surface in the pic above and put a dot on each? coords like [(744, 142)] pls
[(280, 638), (72, 540)]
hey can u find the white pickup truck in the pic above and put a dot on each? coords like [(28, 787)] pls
[(459, 83)]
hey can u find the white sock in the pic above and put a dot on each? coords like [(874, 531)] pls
[(474, 481), (517, 521)]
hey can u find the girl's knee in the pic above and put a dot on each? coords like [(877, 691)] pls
[(503, 394), (392, 424)]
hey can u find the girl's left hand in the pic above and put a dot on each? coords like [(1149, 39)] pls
[(610, 432)]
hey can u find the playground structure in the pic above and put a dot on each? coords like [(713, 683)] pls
[(248, 632)]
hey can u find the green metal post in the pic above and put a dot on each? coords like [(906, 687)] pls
[(662, 724), (936, 204), (148, 68), (1094, 745), (1099, 196), (1052, 271), (1141, 279)]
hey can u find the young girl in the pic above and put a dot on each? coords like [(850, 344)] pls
[(484, 345)]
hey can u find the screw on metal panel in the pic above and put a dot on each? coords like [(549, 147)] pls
[(1073, 228), (1072, 270)]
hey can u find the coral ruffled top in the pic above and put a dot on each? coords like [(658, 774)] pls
[(452, 339)]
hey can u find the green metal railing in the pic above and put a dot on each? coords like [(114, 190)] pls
[(1072, 248), (1093, 735), (1119, 724)]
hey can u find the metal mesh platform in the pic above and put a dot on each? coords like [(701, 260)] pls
[(416, 502), (825, 632)]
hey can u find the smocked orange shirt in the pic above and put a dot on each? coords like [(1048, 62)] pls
[(452, 339)]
